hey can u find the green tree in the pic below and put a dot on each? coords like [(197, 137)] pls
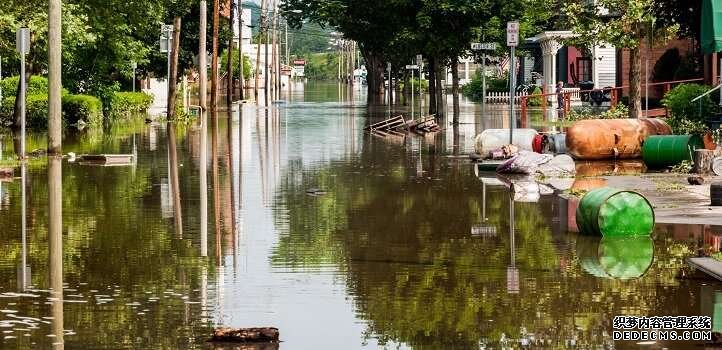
[(624, 24)]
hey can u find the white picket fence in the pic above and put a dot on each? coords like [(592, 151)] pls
[(503, 97)]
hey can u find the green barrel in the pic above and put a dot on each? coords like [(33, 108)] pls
[(609, 211), (615, 257), (660, 151)]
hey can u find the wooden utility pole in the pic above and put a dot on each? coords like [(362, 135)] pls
[(55, 121), (241, 77), (274, 52), (229, 64), (173, 78), (258, 49), (214, 59), (266, 64), (277, 57), (202, 57)]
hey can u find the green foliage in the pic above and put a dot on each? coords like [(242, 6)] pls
[(684, 167), (322, 67), (82, 107), (236, 65), (415, 85), (535, 101), (685, 116), (36, 85), (474, 89), (620, 111), (36, 112), (125, 105)]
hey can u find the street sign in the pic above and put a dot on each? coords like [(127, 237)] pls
[(22, 44), (419, 60), (483, 46), (512, 33), (299, 62), (412, 66)]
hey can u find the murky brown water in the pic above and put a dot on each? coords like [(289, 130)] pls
[(397, 246)]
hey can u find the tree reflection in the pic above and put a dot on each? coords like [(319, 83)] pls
[(418, 275)]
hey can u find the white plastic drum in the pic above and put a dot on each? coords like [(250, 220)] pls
[(491, 139)]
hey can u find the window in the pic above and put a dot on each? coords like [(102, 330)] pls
[(584, 68)]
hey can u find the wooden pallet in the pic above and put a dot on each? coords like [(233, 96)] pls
[(388, 124)]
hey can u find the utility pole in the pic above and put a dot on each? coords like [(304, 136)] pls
[(229, 64), (202, 57), (266, 65), (241, 77), (173, 77), (55, 121), (214, 59), (23, 47), (261, 20), (274, 50)]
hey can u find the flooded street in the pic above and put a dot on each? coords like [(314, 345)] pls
[(341, 239)]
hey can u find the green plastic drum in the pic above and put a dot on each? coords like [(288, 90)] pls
[(609, 211), (615, 257), (660, 151)]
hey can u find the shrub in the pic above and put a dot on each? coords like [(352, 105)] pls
[(535, 101), (682, 110), (128, 104), (82, 107), (474, 89), (236, 65), (36, 86)]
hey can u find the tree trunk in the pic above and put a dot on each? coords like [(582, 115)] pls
[(635, 83), (229, 64), (202, 56), (375, 66), (173, 79), (174, 179), (214, 59), (440, 71), (455, 87), (55, 86), (432, 86)]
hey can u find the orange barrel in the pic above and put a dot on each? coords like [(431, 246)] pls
[(612, 138)]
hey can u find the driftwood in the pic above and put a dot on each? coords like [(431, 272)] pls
[(245, 335), (703, 161), (388, 124)]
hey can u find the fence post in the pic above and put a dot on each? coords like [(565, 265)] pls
[(614, 97), (567, 103)]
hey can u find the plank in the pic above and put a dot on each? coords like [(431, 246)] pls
[(707, 265)]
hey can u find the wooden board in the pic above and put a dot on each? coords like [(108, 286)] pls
[(106, 159), (707, 265)]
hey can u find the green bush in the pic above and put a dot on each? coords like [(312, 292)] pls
[(682, 111), (125, 105), (474, 89), (236, 65), (415, 85), (82, 107), (37, 85), (535, 101), (36, 112)]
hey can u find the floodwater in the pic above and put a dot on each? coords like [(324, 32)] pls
[(291, 216)]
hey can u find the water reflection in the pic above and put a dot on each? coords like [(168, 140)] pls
[(55, 249), (403, 247), (174, 180)]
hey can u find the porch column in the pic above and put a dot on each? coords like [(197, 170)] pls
[(550, 47)]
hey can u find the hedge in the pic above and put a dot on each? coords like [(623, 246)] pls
[(82, 107), (125, 105), (37, 85), (75, 107)]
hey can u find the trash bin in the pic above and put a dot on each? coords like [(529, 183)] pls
[(585, 86)]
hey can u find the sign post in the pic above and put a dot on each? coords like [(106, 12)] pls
[(412, 67), (512, 40), (166, 42), (23, 47), (420, 64), (135, 67), (483, 47), (391, 97)]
